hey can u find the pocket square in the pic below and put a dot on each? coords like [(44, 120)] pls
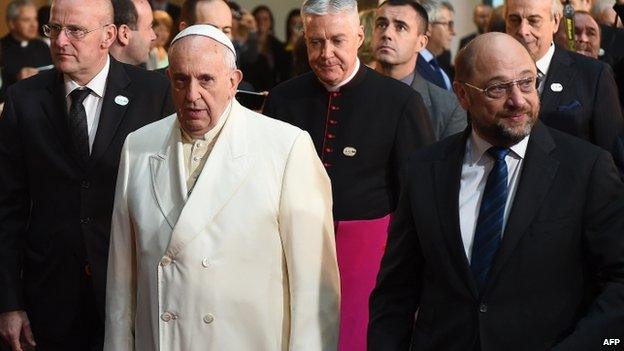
[(573, 104)]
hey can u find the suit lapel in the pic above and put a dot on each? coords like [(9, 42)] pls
[(419, 84), (538, 172), (225, 169), (561, 72), (55, 108), (112, 112), (168, 180), (447, 179)]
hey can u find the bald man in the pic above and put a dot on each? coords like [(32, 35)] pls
[(222, 235), (522, 248), (60, 138)]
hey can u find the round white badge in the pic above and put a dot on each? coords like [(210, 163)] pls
[(121, 100), (349, 151), (556, 87)]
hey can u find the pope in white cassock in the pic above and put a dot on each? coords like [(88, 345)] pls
[(222, 235)]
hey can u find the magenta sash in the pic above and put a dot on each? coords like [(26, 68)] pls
[(360, 246)]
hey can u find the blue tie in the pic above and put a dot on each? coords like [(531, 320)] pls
[(489, 228), (439, 77)]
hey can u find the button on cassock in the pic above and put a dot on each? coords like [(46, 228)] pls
[(209, 318), (165, 261)]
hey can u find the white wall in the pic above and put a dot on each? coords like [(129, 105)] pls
[(463, 20)]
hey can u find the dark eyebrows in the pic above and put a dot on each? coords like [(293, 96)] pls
[(399, 22)]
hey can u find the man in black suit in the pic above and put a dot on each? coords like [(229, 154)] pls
[(133, 19), (480, 17), (508, 236), (60, 139), (578, 95)]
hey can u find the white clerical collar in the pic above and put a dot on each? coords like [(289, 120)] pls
[(337, 86), (97, 84), (478, 147), (544, 63)]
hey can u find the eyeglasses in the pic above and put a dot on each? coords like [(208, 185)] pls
[(449, 24), (501, 90), (73, 32)]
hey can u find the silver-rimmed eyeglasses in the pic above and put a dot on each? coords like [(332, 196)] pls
[(73, 32), (501, 90)]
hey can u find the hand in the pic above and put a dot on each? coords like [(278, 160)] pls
[(15, 330), (26, 72)]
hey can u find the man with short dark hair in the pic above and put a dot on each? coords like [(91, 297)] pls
[(61, 134), (398, 37), (480, 17), (508, 236), (578, 94), (22, 55), (133, 19)]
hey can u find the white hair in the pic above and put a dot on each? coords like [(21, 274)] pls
[(601, 6), (556, 8), (434, 7), (324, 7)]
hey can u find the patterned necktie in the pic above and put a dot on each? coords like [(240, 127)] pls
[(489, 228), (78, 123), (439, 77)]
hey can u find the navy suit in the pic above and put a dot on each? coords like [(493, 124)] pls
[(426, 71)]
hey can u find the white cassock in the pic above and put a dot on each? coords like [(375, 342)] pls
[(246, 262)]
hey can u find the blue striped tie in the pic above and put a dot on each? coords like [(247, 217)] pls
[(489, 228)]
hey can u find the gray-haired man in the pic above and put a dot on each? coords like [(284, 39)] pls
[(364, 125)]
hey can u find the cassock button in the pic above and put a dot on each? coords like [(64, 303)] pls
[(166, 317), (329, 150), (326, 164), (209, 318), (334, 108), (333, 122), (331, 136), (205, 263), (165, 261)]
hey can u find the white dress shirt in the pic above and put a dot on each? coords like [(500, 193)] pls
[(475, 170), (93, 102), (543, 64)]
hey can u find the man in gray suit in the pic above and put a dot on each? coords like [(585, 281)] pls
[(398, 37)]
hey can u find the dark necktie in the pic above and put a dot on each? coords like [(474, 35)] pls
[(78, 123), (489, 227), (439, 77)]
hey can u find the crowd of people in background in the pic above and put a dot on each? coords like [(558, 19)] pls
[(177, 177)]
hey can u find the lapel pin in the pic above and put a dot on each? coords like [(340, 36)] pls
[(556, 87), (121, 100), (349, 151)]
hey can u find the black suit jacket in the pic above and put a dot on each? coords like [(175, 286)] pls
[(587, 106), (54, 211), (557, 281)]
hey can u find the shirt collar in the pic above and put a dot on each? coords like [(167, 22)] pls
[(544, 62), (426, 54), (337, 86), (478, 147), (97, 84), (409, 79), (211, 134)]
